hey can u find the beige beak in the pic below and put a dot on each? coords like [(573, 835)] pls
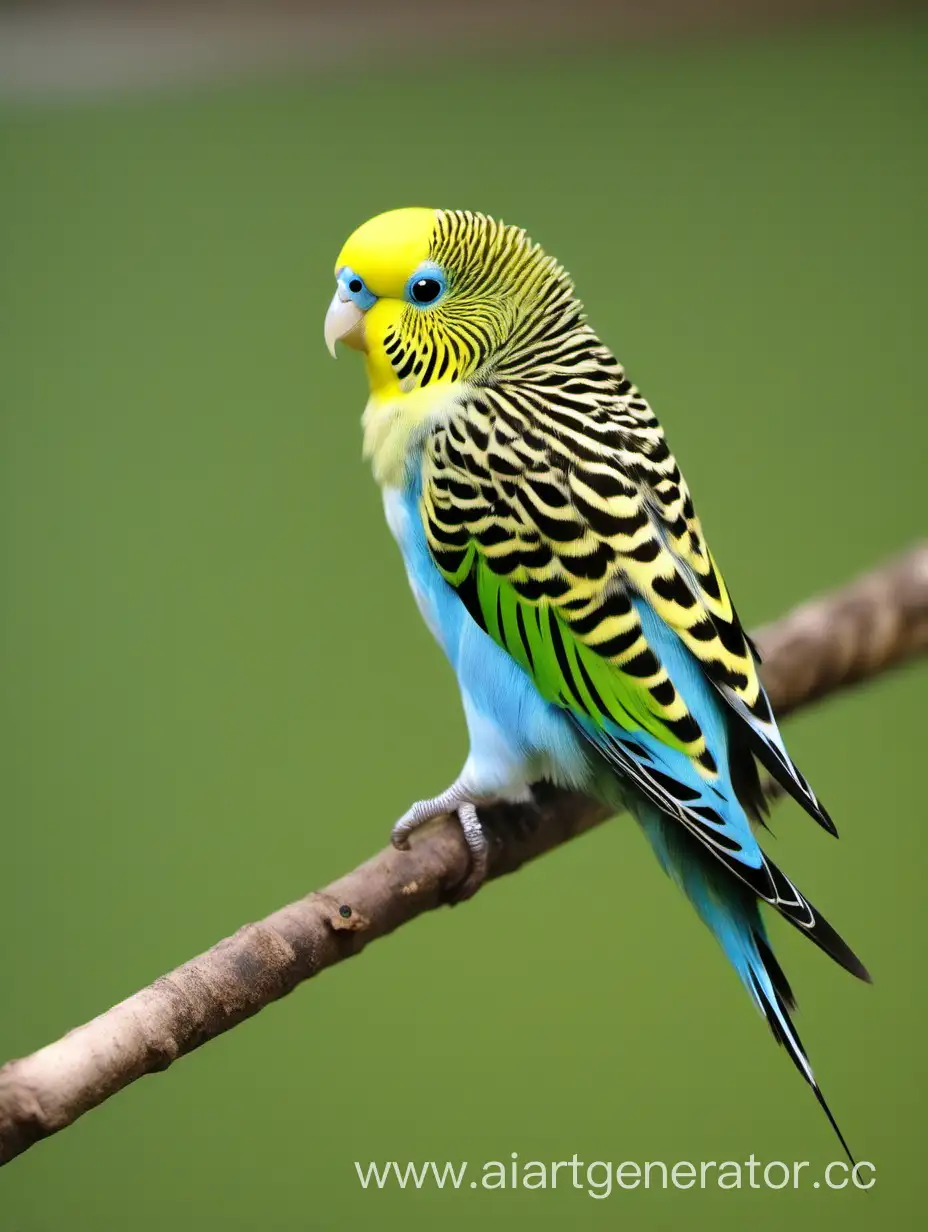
[(341, 321)]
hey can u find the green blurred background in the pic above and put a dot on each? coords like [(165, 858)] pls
[(189, 536)]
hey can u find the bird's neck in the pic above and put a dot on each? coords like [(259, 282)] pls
[(398, 418), (396, 425)]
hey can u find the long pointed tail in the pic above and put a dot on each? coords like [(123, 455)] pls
[(730, 910)]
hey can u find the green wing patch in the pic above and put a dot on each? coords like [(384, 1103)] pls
[(564, 670)]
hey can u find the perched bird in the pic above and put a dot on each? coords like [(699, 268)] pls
[(553, 548)]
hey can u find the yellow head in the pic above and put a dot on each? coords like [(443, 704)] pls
[(434, 296)]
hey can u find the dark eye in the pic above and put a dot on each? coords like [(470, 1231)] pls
[(355, 285), (424, 290)]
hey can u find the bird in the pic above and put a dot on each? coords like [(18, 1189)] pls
[(553, 548)]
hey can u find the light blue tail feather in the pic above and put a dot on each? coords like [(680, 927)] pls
[(731, 912)]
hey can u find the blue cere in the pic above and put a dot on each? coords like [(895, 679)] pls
[(354, 288)]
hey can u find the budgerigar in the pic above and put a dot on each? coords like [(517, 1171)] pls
[(554, 551)]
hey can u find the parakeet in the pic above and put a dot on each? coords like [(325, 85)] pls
[(553, 548)]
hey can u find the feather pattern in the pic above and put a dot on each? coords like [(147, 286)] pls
[(555, 471)]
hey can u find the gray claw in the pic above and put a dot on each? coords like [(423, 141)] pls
[(476, 840), (454, 800)]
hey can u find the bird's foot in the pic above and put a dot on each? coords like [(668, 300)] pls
[(454, 800)]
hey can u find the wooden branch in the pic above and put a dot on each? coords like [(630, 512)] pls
[(825, 645)]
